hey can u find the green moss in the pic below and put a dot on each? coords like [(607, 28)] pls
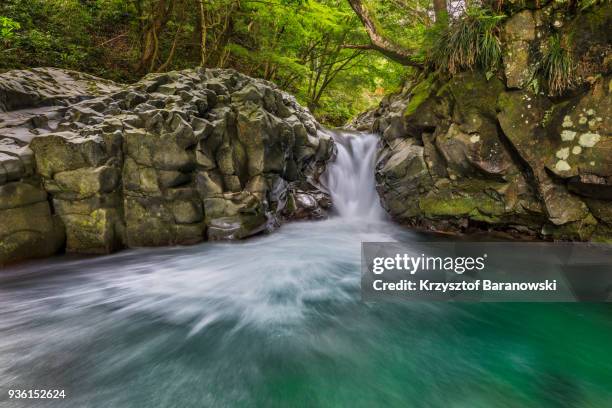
[(509, 104), (595, 17), (419, 94), (478, 207), (290, 207), (548, 114), (490, 219), (580, 230), (477, 201), (602, 234), (478, 187), (435, 207), (471, 91)]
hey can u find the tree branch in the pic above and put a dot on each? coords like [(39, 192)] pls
[(378, 42), (114, 38), (358, 46)]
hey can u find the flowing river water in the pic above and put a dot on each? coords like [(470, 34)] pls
[(277, 321)]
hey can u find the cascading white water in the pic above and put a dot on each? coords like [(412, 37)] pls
[(350, 178), (265, 321)]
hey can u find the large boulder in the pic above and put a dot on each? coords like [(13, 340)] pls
[(502, 151), (521, 117), (470, 154), (27, 226), (46, 87), (176, 158), (526, 40), (32, 103)]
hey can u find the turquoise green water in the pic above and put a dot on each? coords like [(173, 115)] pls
[(277, 321)]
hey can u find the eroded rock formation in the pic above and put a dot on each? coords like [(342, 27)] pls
[(478, 153), (176, 158)]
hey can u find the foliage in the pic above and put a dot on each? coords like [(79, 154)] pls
[(557, 67), (7, 28), (317, 50), (405, 21), (298, 44), (465, 43), (585, 4), (65, 33)]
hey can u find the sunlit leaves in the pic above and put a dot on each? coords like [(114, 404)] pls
[(7, 28)]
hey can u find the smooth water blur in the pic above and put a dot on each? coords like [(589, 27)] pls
[(277, 321), (350, 179)]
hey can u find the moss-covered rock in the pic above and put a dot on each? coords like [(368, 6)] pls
[(497, 154), (20, 194), (582, 130), (401, 176), (490, 161), (29, 231), (84, 182), (521, 117), (590, 40), (519, 31), (64, 151), (173, 159), (419, 94)]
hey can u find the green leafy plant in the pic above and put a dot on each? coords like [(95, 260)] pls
[(557, 67), (466, 43), (585, 4), (7, 28)]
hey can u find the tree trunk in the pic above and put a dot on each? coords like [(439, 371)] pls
[(166, 64), (202, 34), (377, 41), (161, 13)]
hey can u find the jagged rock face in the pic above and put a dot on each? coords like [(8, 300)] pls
[(173, 159), (32, 103), (470, 154), (479, 152), (519, 32), (525, 40)]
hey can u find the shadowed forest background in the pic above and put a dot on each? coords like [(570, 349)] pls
[(336, 60)]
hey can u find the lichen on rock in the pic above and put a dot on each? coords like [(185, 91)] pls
[(498, 151), (497, 159)]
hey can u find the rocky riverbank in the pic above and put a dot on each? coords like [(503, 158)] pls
[(482, 152), (91, 166)]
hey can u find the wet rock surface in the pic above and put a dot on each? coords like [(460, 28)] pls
[(472, 154), (495, 152), (176, 158)]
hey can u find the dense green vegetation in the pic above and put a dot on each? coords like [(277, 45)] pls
[(337, 56), (297, 44), (471, 41)]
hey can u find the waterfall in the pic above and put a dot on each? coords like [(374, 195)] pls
[(350, 178)]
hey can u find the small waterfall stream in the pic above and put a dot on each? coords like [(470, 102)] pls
[(277, 321), (350, 178)]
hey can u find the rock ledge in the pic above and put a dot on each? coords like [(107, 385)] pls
[(176, 158)]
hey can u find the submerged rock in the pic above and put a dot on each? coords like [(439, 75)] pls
[(173, 159)]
